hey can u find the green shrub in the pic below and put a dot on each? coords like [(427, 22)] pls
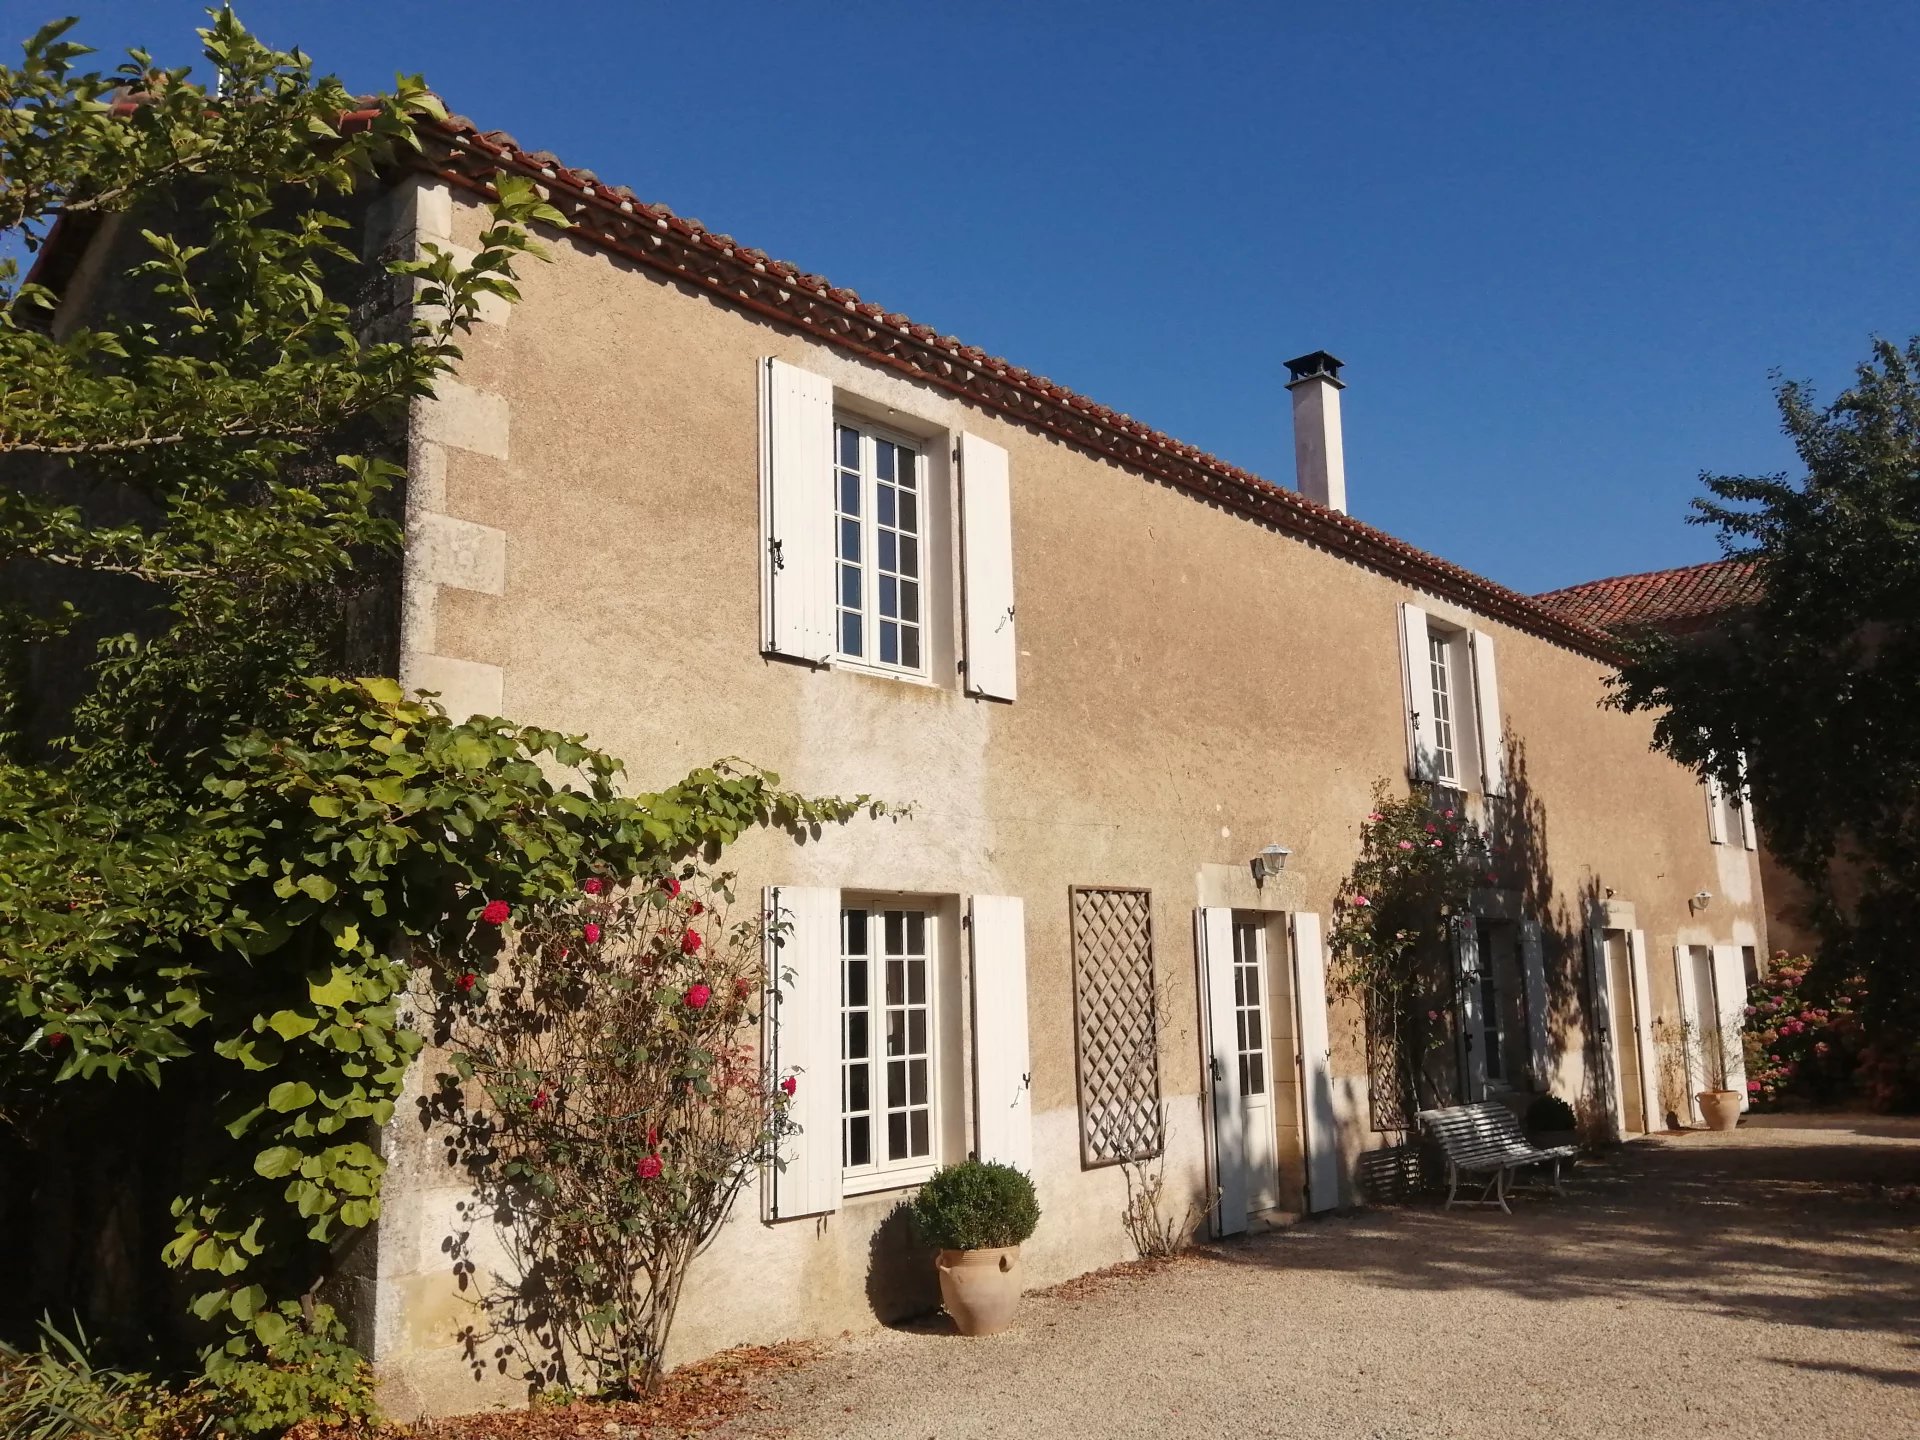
[(976, 1205), (309, 1374), (1550, 1112), (59, 1391)]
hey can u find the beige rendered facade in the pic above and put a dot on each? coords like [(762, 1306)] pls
[(1190, 683)]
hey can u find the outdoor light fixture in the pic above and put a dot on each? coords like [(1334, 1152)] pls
[(1700, 901), (1269, 863)]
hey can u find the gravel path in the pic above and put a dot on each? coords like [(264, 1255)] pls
[(1755, 1284)]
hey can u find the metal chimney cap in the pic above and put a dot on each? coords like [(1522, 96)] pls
[(1317, 366)]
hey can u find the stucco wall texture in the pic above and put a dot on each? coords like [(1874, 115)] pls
[(1193, 686)]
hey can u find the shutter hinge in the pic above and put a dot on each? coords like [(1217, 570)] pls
[(774, 553)]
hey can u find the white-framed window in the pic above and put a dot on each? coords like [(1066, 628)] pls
[(879, 579), (889, 1024), (1493, 1010), (1452, 691), (1442, 692)]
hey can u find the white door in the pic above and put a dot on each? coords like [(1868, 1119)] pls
[(1316, 1081), (1255, 1057)]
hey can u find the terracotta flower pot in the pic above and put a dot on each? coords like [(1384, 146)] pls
[(980, 1288), (1719, 1108)]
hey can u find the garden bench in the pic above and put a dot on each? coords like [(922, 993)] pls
[(1485, 1141)]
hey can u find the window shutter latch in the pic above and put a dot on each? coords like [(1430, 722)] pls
[(774, 552)]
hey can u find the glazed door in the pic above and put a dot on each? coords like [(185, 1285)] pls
[(1255, 1063)]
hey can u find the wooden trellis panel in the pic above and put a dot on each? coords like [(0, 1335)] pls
[(1116, 1025)]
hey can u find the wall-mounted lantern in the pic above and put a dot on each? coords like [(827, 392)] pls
[(1269, 863), (1700, 902)]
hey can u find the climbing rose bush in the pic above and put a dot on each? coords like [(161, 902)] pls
[(606, 1092), (1798, 1043)]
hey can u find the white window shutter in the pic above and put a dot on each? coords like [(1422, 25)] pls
[(796, 512), (1213, 938), (1691, 1009), (803, 972), (1416, 685), (1605, 1023), (1002, 1066), (1321, 1137), (1486, 709), (1466, 970), (1643, 1030), (1533, 971), (1730, 996), (986, 557), (1749, 832), (1716, 812)]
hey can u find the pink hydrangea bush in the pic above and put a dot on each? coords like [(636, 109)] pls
[(1799, 1044)]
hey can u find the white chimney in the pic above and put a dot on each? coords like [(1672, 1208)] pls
[(1319, 457)]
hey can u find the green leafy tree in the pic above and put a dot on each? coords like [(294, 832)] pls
[(226, 865), (1815, 684)]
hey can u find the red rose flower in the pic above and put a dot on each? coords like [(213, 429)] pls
[(670, 885), (697, 997), (649, 1167), (496, 912), (592, 933), (741, 987), (696, 908), (55, 1039), (690, 943), (594, 885), (539, 1101), (789, 1085), (465, 982)]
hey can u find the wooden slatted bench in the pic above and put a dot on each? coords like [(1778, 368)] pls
[(1484, 1141)]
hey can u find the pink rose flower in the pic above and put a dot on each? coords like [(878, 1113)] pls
[(1360, 900), (591, 933), (649, 1167), (496, 912), (670, 885), (594, 885), (790, 1085), (690, 943), (697, 996), (1406, 844)]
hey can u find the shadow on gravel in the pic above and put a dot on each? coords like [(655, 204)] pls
[(1805, 1232), (1905, 1379)]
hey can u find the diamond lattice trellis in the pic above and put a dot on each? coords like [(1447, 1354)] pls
[(1117, 1025), (1389, 1085)]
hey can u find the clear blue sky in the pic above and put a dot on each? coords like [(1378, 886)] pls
[(1559, 246)]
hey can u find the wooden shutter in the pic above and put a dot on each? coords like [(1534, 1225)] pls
[(1730, 999), (804, 974), (1002, 1067), (1320, 1137), (1606, 1020), (1533, 973), (1692, 1007), (1716, 812), (1213, 938), (986, 554), (1466, 971), (796, 512), (1749, 833), (1416, 684), (1643, 1030), (1486, 710)]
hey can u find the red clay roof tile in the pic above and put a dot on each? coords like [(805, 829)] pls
[(1690, 598)]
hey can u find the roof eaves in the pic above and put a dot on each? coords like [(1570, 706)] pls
[(614, 219)]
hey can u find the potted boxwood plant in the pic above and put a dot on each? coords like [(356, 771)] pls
[(975, 1214), (1550, 1121)]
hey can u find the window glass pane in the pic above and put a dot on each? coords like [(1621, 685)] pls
[(849, 446), (883, 453), (883, 504), (916, 932), (849, 493), (889, 556), (850, 540), (922, 1142), (857, 1036), (1257, 1074), (917, 1082), (909, 556), (910, 648), (896, 1032), (909, 513), (889, 587), (909, 468), (916, 1032), (1246, 1079), (897, 1136), (858, 1078), (859, 1141), (856, 927), (916, 982), (850, 635), (889, 643), (850, 587), (896, 932)]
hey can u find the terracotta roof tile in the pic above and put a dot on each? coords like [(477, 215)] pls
[(1690, 598)]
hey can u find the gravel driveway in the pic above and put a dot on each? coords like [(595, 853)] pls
[(1755, 1284)]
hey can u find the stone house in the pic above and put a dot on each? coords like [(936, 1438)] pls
[(693, 502)]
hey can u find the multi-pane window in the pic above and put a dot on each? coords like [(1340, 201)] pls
[(879, 490), (1493, 1040), (1440, 667), (1249, 1010), (886, 1040)]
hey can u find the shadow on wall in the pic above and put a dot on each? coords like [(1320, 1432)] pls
[(1517, 831), (901, 1283), (1803, 1234)]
